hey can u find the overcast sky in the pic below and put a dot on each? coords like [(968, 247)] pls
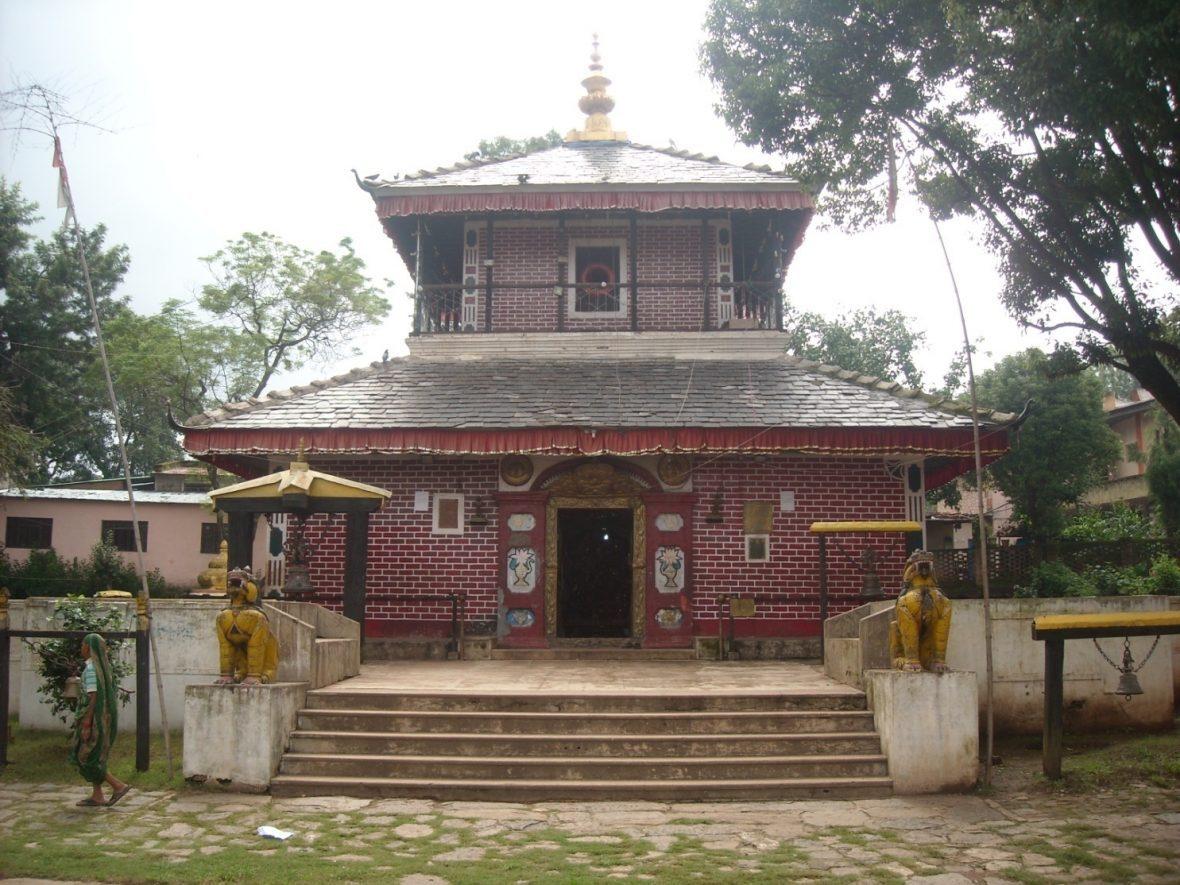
[(228, 117)]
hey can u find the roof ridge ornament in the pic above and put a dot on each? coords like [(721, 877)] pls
[(596, 104)]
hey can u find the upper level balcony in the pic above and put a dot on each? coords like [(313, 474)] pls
[(607, 272)]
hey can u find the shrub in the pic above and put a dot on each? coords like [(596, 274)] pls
[(1051, 580), (58, 659), (1118, 523), (1113, 580), (1165, 576), (44, 573)]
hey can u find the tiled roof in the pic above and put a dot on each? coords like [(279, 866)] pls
[(506, 394), (588, 163)]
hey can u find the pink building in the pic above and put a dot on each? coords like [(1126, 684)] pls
[(597, 435)]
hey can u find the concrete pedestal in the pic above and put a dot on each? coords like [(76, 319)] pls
[(929, 727), (236, 733)]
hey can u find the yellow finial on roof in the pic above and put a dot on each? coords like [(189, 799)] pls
[(596, 104)]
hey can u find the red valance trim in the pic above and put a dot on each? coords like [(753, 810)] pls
[(641, 201), (954, 443)]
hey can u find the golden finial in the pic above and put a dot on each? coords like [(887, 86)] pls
[(596, 104)]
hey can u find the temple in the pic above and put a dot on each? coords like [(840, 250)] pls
[(598, 436)]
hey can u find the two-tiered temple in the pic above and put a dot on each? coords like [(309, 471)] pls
[(597, 435)]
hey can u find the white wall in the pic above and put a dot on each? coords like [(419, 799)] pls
[(1089, 680)]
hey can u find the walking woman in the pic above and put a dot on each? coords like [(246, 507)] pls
[(97, 723)]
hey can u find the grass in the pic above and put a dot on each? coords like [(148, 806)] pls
[(37, 756), (1153, 759)]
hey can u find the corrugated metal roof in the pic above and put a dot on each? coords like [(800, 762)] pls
[(106, 496)]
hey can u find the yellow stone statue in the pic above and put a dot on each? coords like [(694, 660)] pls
[(918, 635), (249, 651)]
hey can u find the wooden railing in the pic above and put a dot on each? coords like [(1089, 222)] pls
[(445, 308)]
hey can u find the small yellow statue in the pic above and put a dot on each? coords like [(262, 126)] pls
[(918, 636), (249, 651), (213, 578)]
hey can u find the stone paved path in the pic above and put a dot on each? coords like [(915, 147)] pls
[(1125, 835)]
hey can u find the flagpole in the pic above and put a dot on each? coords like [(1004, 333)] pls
[(64, 190)]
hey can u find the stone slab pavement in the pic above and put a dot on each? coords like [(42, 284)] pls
[(1122, 835)]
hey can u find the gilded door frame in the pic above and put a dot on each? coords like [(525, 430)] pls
[(638, 554)]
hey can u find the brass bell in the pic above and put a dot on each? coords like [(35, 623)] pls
[(1128, 682), (71, 689), (870, 587), (1128, 685)]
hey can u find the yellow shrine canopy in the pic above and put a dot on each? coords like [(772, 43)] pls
[(300, 489)]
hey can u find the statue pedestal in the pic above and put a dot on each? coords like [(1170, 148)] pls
[(929, 727), (236, 734)]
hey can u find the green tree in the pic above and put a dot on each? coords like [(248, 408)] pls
[(1053, 123), (47, 342), (1061, 451), (170, 357), (289, 305), (20, 449), (1163, 475), (502, 146), (881, 344)]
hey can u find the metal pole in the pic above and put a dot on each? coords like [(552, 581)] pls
[(989, 704), (1054, 708), (823, 590), (5, 649), (144, 594), (143, 704)]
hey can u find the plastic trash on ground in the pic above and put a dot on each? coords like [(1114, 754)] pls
[(269, 832)]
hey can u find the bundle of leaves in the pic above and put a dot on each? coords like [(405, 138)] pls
[(58, 659), (1052, 580), (1164, 578), (1118, 523), (44, 573)]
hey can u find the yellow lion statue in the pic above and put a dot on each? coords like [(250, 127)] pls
[(918, 635), (249, 651)]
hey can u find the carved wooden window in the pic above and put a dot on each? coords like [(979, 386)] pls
[(448, 514), (597, 269)]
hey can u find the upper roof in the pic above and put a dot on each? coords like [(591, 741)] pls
[(596, 163), (524, 394)]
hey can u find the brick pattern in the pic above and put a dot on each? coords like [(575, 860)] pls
[(405, 558), (825, 489), (529, 254)]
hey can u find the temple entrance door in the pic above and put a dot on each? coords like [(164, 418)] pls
[(594, 583)]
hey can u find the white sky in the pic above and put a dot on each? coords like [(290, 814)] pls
[(246, 116)]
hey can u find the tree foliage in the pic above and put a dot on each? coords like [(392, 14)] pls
[(502, 146), (289, 305), (1061, 451), (875, 343), (47, 341), (1163, 475), (1053, 123)]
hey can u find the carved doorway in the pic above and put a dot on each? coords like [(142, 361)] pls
[(600, 488), (594, 573)]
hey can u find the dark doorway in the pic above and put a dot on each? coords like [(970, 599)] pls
[(594, 573)]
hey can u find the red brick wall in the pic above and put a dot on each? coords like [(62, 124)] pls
[(665, 252), (825, 489), (405, 558)]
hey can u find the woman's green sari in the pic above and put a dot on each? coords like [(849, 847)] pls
[(90, 756)]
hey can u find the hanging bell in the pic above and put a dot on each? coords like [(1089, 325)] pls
[(1128, 682), (1128, 685), (71, 690)]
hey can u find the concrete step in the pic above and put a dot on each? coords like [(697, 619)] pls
[(593, 653), (608, 745), (494, 722), (582, 767), (544, 790), (543, 702)]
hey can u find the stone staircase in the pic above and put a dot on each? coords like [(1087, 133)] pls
[(541, 746)]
